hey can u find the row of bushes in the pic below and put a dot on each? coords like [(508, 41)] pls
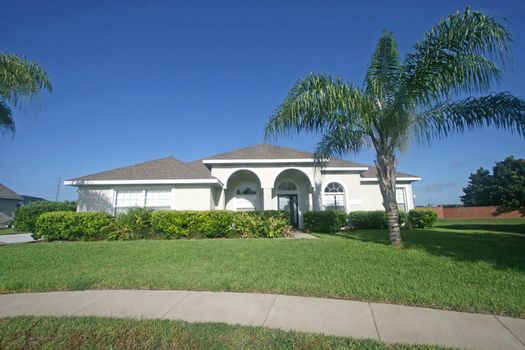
[(164, 224), (333, 221), (26, 216)]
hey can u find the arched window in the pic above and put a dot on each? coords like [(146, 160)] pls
[(334, 197), (287, 186)]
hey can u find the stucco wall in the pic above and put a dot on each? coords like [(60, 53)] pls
[(184, 197)]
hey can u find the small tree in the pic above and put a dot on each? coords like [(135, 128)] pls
[(479, 189), (505, 187)]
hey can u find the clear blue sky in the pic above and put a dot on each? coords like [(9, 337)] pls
[(139, 80)]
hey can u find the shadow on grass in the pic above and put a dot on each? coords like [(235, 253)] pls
[(511, 228), (503, 251)]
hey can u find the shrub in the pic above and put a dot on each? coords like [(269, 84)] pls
[(135, 224), (329, 221), (26, 216), (375, 219), (422, 218), (71, 226), (218, 223)]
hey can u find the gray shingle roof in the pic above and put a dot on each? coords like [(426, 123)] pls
[(267, 151), (170, 168), (7, 193), (372, 173), (159, 169)]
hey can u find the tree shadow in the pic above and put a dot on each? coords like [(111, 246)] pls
[(498, 227), (502, 250)]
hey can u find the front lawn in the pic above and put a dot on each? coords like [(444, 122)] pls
[(9, 231), (26, 332), (468, 270)]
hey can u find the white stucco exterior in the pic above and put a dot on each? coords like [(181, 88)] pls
[(246, 186)]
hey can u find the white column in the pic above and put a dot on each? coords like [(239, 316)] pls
[(310, 200), (268, 203)]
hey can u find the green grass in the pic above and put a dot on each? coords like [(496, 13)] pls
[(103, 333), (499, 225), (467, 270), (9, 231)]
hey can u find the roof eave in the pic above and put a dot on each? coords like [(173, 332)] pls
[(79, 182)]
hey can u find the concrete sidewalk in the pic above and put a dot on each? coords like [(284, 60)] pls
[(16, 238), (388, 323)]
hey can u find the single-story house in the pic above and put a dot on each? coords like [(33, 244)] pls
[(9, 201), (262, 177)]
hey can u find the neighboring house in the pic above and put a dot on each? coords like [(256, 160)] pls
[(262, 177), (9, 201), (30, 199)]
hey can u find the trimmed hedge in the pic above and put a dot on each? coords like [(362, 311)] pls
[(422, 218), (329, 221), (219, 223), (26, 216), (135, 224), (72, 226), (375, 219)]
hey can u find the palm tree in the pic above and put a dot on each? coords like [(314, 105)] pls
[(422, 97), (19, 79)]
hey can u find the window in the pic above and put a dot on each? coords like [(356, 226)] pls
[(159, 199), (334, 197), (154, 199), (401, 199), (131, 198), (287, 186)]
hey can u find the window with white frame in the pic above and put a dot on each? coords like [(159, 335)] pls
[(154, 199), (159, 199), (334, 197), (401, 199)]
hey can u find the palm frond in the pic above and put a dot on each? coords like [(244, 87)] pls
[(20, 77), (316, 103), (340, 140), (456, 56), (7, 124), (382, 77), (502, 111)]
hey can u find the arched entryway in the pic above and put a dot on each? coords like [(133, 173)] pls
[(243, 191), (294, 194)]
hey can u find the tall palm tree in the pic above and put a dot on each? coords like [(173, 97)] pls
[(422, 97), (19, 79)]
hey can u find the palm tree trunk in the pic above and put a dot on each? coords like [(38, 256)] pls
[(386, 174)]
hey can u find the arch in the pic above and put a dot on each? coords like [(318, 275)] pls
[(243, 191), (294, 193), (334, 196)]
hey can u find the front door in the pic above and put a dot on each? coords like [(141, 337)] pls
[(288, 202)]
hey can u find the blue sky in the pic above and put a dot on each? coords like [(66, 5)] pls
[(139, 80)]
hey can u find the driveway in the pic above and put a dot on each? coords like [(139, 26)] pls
[(16, 238)]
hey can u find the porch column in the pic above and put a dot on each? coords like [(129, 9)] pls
[(310, 200), (267, 199)]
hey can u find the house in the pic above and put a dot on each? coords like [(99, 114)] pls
[(9, 201), (262, 177)]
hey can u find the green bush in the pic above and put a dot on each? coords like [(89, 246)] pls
[(135, 224), (422, 218), (375, 219), (72, 226), (329, 221), (218, 223), (26, 216)]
